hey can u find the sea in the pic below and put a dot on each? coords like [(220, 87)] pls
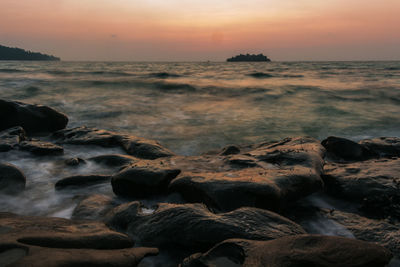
[(193, 107)]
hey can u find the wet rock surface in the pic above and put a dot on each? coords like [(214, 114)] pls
[(300, 250), (135, 146), (81, 181), (142, 182), (12, 180), (10, 138), (41, 148), (194, 226), (33, 241), (93, 207), (374, 183), (265, 176), (33, 118)]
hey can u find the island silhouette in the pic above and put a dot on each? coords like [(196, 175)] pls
[(13, 53), (249, 58)]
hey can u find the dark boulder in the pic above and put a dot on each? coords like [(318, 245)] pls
[(194, 226), (93, 207), (375, 184), (343, 149), (265, 176), (135, 146), (79, 181), (12, 180), (142, 182), (33, 118), (41, 148), (39, 241), (299, 250), (386, 147), (10, 138), (230, 150)]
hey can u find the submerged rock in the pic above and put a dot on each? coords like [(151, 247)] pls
[(74, 161), (142, 182), (41, 148), (299, 250), (38, 241), (264, 176), (81, 181), (135, 146), (114, 160), (10, 138), (12, 179), (374, 183), (194, 226), (33, 118)]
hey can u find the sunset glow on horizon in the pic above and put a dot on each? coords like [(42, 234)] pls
[(203, 30)]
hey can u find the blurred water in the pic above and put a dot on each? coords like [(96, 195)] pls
[(195, 107), (192, 108)]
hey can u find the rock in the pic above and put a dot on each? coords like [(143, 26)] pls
[(383, 146), (33, 118), (127, 257), (74, 161), (81, 181), (41, 148), (114, 160), (12, 180), (374, 183), (34, 241), (299, 250), (343, 149), (267, 176), (194, 226), (376, 231), (10, 138), (230, 150), (142, 182), (135, 146), (93, 207)]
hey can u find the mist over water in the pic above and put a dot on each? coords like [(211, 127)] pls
[(193, 108)]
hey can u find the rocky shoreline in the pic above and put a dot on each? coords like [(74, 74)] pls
[(245, 205)]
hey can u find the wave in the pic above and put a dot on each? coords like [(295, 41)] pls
[(10, 70), (164, 75), (261, 75), (80, 73), (392, 68)]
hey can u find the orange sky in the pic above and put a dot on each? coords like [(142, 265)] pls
[(204, 30)]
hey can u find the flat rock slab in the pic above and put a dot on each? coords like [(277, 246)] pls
[(12, 179), (374, 183), (80, 181), (38, 241), (41, 148), (114, 160), (33, 118), (135, 146), (300, 250), (194, 226), (383, 146), (265, 176)]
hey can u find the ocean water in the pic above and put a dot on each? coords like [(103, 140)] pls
[(192, 108)]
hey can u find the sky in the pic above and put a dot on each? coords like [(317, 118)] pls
[(200, 30)]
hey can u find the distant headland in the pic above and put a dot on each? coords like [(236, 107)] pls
[(249, 58), (10, 53)]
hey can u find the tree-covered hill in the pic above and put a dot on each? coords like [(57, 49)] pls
[(10, 53)]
